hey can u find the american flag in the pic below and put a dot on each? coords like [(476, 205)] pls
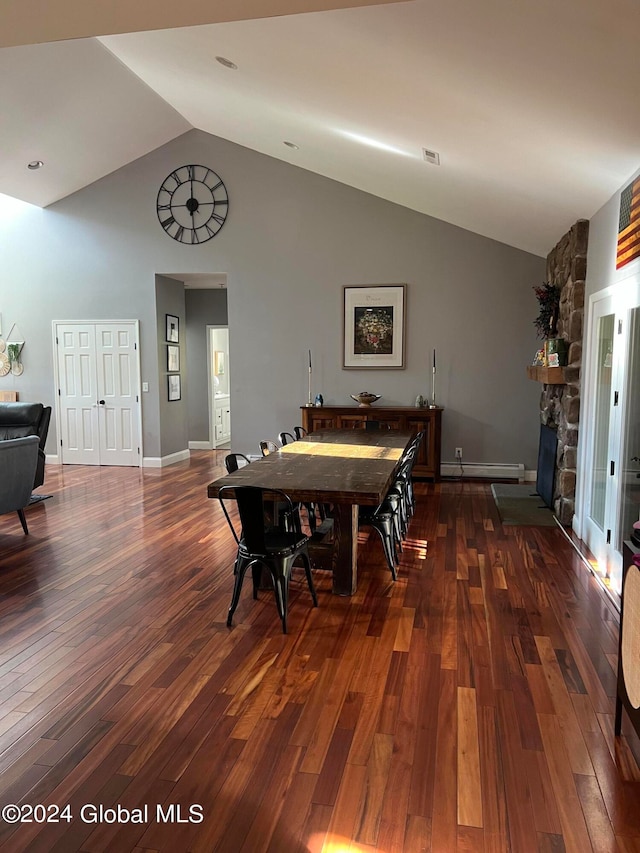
[(629, 225)]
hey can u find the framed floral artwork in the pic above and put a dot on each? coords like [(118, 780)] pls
[(374, 319)]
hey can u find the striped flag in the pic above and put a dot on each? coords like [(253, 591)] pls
[(629, 225)]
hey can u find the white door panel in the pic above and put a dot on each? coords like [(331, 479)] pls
[(98, 379)]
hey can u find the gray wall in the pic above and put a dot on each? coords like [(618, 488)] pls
[(291, 241)]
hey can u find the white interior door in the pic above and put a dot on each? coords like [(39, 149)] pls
[(99, 399), (611, 497)]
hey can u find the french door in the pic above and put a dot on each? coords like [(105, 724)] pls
[(611, 425), (98, 392)]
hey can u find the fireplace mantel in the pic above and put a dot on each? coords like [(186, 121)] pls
[(547, 375)]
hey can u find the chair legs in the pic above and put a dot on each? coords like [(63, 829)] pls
[(280, 578), (23, 520)]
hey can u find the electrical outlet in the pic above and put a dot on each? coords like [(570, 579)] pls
[(458, 453)]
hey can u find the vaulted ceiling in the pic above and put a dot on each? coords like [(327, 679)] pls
[(531, 107)]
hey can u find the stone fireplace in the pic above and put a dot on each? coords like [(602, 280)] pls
[(560, 404)]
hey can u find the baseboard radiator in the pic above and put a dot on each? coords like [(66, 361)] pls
[(488, 470)]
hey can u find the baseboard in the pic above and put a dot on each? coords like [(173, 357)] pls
[(52, 459), (200, 445), (163, 461), (488, 470)]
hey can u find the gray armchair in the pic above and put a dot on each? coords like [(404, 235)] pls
[(18, 461)]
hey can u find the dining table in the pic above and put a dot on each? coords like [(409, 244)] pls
[(345, 468)]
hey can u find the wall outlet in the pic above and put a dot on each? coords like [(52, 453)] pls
[(458, 453)]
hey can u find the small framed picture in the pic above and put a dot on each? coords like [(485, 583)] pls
[(173, 358), (173, 329), (174, 386), (219, 363)]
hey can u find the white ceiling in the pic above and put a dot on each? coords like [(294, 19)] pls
[(532, 107)]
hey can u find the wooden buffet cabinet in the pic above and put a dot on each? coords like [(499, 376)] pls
[(396, 417)]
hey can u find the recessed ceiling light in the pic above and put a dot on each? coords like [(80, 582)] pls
[(35, 164), (291, 145), (226, 62)]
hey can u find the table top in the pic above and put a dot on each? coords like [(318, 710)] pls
[(335, 465)]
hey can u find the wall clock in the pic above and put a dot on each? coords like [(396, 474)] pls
[(192, 204)]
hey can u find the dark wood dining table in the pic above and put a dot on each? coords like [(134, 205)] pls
[(342, 467)]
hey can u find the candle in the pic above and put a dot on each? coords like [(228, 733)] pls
[(434, 359), (309, 359)]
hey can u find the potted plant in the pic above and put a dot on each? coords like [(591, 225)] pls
[(546, 323)]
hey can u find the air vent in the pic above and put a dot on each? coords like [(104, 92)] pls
[(431, 157)]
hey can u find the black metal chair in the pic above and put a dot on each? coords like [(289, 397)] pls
[(267, 447), (233, 461), (260, 546), (381, 518), (300, 432), (286, 438)]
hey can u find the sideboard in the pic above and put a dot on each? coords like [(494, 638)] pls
[(395, 417)]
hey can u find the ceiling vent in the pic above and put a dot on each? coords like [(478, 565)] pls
[(431, 157)]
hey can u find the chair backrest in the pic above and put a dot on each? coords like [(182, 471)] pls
[(286, 438), (300, 432), (18, 460), (268, 447), (251, 509), (233, 461)]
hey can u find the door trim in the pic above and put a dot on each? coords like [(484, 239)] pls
[(78, 322)]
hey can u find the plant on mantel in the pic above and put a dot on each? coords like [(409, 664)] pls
[(548, 296)]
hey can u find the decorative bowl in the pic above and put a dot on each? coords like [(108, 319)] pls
[(365, 398)]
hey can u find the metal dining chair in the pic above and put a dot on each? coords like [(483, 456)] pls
[(300, 432), (286, 438), (260, 546), (267, 447)]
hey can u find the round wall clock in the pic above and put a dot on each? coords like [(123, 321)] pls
[(192, 204)]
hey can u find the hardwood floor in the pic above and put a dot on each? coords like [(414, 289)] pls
[(467, 707)]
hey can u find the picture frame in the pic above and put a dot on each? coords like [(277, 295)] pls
[(173, 358), (218, 368), (374, 326), (173, 329), (173, 387)]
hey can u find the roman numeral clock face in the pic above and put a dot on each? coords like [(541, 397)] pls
[(192, 204)]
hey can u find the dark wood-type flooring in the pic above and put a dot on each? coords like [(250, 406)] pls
[(467, 707)]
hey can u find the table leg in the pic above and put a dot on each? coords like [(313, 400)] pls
[(345, 549)]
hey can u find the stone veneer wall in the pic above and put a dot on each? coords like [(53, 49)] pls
[(560, 404)]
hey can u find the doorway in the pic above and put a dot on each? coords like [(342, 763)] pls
[(611, 486), (97, 373), (219, 386)]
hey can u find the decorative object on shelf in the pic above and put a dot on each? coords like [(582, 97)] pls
[(420, 402), (173, 384), (432, 404), (192, 204), (309, 402), (555, 352), (319, 401), (539, 359), (365, 398), (173, 358), (173, 329), (373, 326)]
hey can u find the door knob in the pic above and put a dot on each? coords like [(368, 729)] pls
[(101, 402)]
